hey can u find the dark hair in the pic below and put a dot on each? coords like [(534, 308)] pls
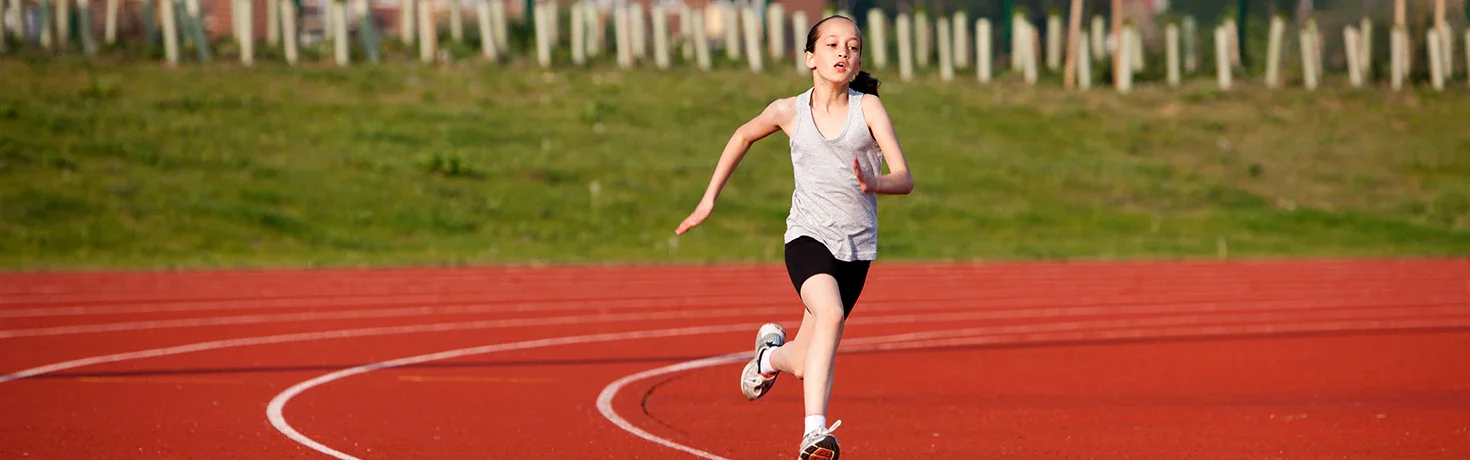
[(864, 82)]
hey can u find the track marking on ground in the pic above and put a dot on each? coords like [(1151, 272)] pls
[(366, 332), (997, 335), (275, 409), (487, 302), (165, 380), (256, 319), (277, 405), (471, 379), (470, 310), (1007, 314)]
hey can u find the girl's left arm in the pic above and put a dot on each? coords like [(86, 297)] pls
[(898, 181)]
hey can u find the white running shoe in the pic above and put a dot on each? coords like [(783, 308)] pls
[(752, 383), (820, 444)]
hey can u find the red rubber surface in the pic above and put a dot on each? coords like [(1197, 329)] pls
[(1141, 360)]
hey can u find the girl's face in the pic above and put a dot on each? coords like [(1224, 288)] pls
[(836, 56)]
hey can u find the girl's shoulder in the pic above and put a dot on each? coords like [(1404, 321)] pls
[(870, 101), (782, 109)]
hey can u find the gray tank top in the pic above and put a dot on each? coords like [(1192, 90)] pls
[(828, 205)]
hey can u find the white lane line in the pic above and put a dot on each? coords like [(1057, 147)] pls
[(379, 331), (1046, 313), (1263, 330), (1045, 333), (273, 318), (1218, 319), (484, 298), (605, 398), (477, 309), (382, 302), (275, 410), (277, 405)]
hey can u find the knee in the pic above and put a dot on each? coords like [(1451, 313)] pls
[(829, 315)]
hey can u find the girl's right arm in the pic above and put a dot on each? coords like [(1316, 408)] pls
[(776, 116)]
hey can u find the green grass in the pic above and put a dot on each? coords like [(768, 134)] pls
[(133, 165)]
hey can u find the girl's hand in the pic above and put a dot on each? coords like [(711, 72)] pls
[(700, 213), (863, 178)]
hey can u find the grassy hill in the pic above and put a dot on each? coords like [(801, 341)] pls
[(132, 165)]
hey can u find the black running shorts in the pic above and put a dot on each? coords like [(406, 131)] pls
[(806, 257)]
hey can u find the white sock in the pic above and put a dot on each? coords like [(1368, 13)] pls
[(815, 422), (766, 367)]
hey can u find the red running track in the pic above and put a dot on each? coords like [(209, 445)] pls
[(1251, 360)]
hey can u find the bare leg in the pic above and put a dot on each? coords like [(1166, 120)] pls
[(812, 352), (791, 357)]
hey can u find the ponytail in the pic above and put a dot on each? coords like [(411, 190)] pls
[(865, 83)]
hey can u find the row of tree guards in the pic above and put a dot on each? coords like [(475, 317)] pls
[(752, 34)]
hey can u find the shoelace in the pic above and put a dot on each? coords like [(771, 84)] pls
[(824, 431)]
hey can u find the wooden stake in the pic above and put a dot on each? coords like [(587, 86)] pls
[(110, 31), (63, 23), (638, 30), (406, 20), (1191, 45), (623, 36), (1084, 67), (751, 22), (982, 50), (1137, 54), (946, 56), (1436, 60), (247, 33), (1098, 40), (960, 27), (1447, 46), (1074, 48), (170, 32), (502, 29), (1030, 60), (1171, 43), (1053, 43), (1124, 57), (922, 37), (543, 35), (428, 32), (1365, 32), (579, 33), (339, 32), (487, 36), (661, 51), (1273, 52), (272, 23), (1353, 49), (84, 18), (798, 34), (1309, 72), (731, 15), (776, 31), (456, 22), (701, 41), (288, 30), (905, 48), (877, 38), (1222, 58)]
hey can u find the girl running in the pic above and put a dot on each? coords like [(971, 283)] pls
[(840, 137)]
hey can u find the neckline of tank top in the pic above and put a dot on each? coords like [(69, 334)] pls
[(852, 96)]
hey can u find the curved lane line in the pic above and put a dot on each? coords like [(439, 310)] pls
[(996, 335)]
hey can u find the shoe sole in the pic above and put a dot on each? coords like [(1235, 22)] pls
[(760, 342), (825, 449)]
